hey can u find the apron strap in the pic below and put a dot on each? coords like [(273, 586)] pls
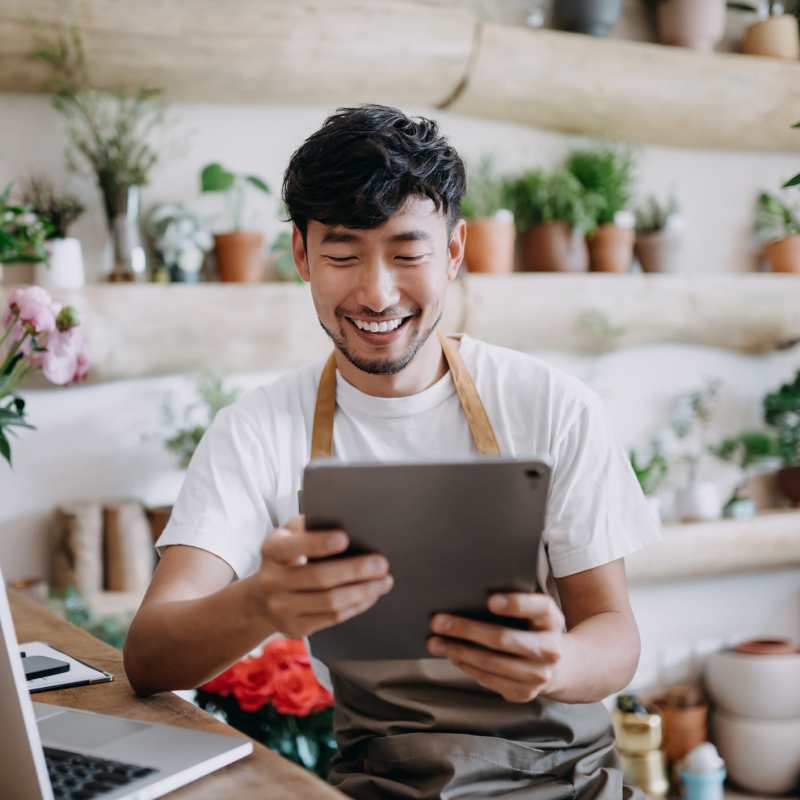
[(478, 420)]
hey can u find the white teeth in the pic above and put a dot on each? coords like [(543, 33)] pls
[(378, 327)]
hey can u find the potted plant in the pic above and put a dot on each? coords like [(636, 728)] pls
[(782, 413), (64, 266), (774, 34), (777, 227), (595, 17), (698, 24), (179, 240), (109, 136), (490, 225), (607, 173), (282, 258), (240, 253), (553, 213), (22, 240), (651, 474), (657, 244)]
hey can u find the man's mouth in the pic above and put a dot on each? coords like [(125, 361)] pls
[(377, 328)]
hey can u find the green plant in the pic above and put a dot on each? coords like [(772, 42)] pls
[(74, 608), (196, 418), (215, 178), (281, 252), (751, 452), (775, 220), (690, 420), (22, 231), (536, 197), (108, 132), (653, 215), (486, 191), (782, 412), (795, 181), (607, 173), (60, 210), (651, 474)]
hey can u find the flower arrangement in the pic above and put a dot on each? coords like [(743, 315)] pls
[(38, 333), (179, 239), (276, 699), (59, 209), (22, 231)]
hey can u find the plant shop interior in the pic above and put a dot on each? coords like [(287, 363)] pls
[(632, 218)]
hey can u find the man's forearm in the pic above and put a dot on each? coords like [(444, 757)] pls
[(599, 657), (181, 644)]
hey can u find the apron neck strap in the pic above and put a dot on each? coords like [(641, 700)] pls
[(478, 420)]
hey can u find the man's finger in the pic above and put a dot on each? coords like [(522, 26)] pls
[(540, 609), (336, 600), (290, 547), (315, 622), (338, 572)]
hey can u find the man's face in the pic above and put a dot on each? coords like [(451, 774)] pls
[(379, 293)]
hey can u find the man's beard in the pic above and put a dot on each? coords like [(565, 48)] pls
[(384, 366)]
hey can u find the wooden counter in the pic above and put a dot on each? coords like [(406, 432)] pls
[(262, 774)]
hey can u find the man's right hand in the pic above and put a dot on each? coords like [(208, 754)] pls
[(300, 594)]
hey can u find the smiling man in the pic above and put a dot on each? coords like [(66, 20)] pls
[(495, 712)]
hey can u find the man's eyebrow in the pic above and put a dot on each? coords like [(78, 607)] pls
[(411, 236), (334, 237)]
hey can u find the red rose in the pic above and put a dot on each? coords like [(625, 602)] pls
[(297, 692), (253, 687)]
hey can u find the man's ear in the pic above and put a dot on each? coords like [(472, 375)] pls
[(455, 249), (299, 254)]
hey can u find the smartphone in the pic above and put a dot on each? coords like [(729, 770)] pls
[(42, 666)]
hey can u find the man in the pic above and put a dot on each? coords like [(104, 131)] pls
[(499, 712)]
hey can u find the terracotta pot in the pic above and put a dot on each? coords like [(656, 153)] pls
[(657, 252), (490, 245), (767, 647), (784, 255), (699, 24), (611, 249), (683, 729), (595, 17), (17, 273), (554, 247), (776, 37), (240, 256), (788, 480)]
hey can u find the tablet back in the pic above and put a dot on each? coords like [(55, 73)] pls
[(453, 533)]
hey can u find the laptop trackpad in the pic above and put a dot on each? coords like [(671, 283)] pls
[(74, 730)]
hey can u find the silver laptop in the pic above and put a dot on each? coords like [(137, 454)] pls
[(55, 752)]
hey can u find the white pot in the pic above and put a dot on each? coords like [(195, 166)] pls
[(761, 756), (699, 502), (761, 687), (64, 268)]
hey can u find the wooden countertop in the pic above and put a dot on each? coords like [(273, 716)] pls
[(261, 774)]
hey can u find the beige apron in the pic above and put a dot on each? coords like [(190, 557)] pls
[(423, 730)]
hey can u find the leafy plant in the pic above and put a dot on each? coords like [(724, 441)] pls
[(775, 220), (653, 215), (22, 231), (536, 197), (197, 417), (608, 174), (751, 451), (281, 252), (215, 178), (692, 414), (652, 473), (109, 133), (782, 412), (74, 608), (59, 210), (796, 180), (486, 192)]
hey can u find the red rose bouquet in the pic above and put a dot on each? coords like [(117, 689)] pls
[(276, 699)]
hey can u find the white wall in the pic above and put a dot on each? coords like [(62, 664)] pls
[(716, 189)]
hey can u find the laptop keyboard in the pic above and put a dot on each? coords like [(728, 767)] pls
[(78, 777)]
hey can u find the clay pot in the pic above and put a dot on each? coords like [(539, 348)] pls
[(788, 480), (776, 37), (595, 17), (784, 255), (767, 647), (490, 245), (611, 249), (657, 252), (698, 24), (554, 247), (240, 256), (683, 729)]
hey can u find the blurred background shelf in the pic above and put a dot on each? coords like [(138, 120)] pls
[(454, 56)]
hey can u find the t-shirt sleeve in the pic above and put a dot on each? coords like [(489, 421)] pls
[(222, 505), (596, 510)]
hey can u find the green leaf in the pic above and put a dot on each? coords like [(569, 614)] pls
[(5, 448), (215, 178), (793, 182), (258, 183)]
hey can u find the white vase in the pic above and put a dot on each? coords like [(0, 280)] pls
[(64, 268), (699, 502)]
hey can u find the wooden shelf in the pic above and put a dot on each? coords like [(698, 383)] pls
[(424, 53), (722, 547)]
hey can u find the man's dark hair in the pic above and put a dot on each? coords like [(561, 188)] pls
[(363, 164)]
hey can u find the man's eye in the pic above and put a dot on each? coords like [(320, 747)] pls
[(340, 259), (411, 258)]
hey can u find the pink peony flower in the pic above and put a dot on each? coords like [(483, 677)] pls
[(59, 362), (34, 308)]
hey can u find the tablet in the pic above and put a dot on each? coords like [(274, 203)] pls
[(453, 533)]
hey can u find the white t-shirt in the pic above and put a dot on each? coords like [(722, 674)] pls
[(245, 475)]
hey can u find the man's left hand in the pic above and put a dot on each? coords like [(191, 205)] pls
[(517, 664)]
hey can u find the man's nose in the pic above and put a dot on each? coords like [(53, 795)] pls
[(377, 288)]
